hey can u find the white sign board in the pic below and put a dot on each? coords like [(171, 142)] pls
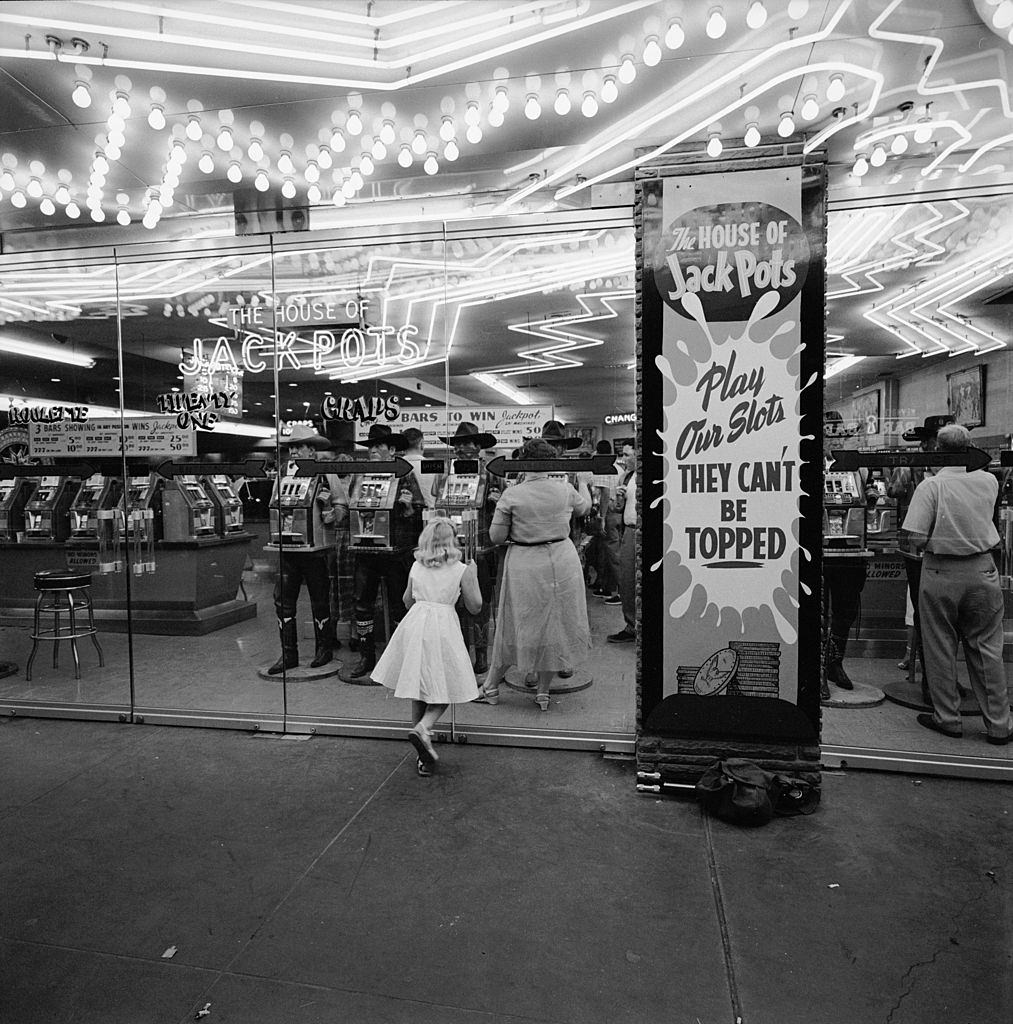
[(144, 435), (510, 424)]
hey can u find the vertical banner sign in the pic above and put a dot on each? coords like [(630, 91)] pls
[(726, 258)]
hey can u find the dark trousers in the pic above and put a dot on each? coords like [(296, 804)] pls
[(610, 541), (298, 567), (485, 564), (845, 581), (628, 576), (392, 567)]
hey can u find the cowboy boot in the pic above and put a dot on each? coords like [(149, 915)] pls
[(359, 671), (289, 647), (323, 632), (835, 663)]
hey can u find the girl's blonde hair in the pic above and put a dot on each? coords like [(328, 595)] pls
[(438, 544)]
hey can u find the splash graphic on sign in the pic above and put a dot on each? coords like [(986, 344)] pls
[(731, 451)]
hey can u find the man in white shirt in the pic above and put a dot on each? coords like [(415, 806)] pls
[(950, 521), (626, 500)]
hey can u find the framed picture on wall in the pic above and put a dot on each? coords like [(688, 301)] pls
[(965, 395), (865, 412), (588, 436)]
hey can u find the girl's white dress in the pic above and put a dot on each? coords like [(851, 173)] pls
[(426, 658)]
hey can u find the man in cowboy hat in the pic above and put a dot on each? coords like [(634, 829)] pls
[(552, 431), (468, 442), (388, 567), (310, 567)]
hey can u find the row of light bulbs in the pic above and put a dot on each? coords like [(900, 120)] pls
[(921, 133)]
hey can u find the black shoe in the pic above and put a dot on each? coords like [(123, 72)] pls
[(323, 655), (288, 659), (613, 599), (624, 636), (930, 723), (824, 690), (359, 672), (837, 675), (1000, 741)]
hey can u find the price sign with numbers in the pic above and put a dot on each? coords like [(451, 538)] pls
[(146, 435)]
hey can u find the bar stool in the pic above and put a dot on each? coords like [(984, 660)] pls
[(63, 590)]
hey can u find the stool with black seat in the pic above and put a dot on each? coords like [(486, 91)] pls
[(63, 591)]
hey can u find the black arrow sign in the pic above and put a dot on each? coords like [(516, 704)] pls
[(250, 468), (598, 464), (311, 467), (972, 458), (81, 469), (1006, 458)]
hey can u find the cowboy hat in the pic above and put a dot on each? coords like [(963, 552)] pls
[(928, 429), (552, 431), (303, 434), (379, 434), (469, 432)]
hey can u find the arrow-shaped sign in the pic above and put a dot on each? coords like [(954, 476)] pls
[(250, 468), (78, 469), (598, 464), (311, 467), (1006, 458), (971, 458)]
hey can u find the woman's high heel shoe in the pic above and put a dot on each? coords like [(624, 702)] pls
[(487, 695), (542, 700)]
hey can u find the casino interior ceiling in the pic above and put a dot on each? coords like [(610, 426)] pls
[(469, 168)]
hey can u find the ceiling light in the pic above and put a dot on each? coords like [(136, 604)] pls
[(589, 106), (366, 164), (786, 126), (404, 156), (47, 206), (35, 350), (116, 140), (752, 136), (101, 164), (6, 180), (419, 142), (797, 9), (501, 99), (923, 131), (354, 123), (450, 151), (338, 199), (503, 388), (756, 15), (98, 214), (716, 23), (431, 166), (193, 128), (1002, 17), (835, 88), (447, 129), (562, 105), (840, 364), (121, 105), (337, 141), (609, 90), (225, 140), (312, 172), (878, 157), (206, 162), (255, 150), (355, 180), (123, 218), (285, 164), (62, 194), (261, 182), (177, 153), (714, 145), (675, 36), (34, 188), (234, 172), (82, 94), (532, 108), (473, 134), (156, 117), (861, 167), (73, 210), (313, 194), (324, 158), (652, 52), (472, 114), (495, 117), (899, 144), (810, 108), (627, 70), (288, 188)]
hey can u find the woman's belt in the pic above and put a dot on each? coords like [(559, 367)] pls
[(537, 543)]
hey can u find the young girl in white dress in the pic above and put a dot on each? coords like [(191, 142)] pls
[(426, 660)]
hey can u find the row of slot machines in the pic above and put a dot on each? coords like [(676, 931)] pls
[(852, 518), (96, 511)]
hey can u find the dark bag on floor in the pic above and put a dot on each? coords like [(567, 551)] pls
[(743, 793)]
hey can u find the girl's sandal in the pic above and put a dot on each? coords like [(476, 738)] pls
[(542, 700), (487, 695), (424, 746), (423, 769)]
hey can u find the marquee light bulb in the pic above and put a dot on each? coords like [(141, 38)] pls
[(6, 180), (431, 166), (261, 182), (338, 199), (451, 151), (354, 123), (797, 9), (193, 128), (786, 126), (35, 189), (156, 117), (923, 132), (589, 106), (861, 167), (387, 133), (752, 136), (357, 181), (652, 52), (337, 141), (73, 211), (878, 157), (312, 172), (324, 158), (495, 118), (609, 90), (123, 218), (98, 214), (47, 206), (472, 113), (255, 150), (675, 36), (62, 194), (419, 143), (234, 172), (835, 88), (810, 108), (404, 156), (447, 129), (532, 108), (225, 140), (313, 194), (121, 105), (474, 134), (285, 164), (288, 188), (115, 140), (756, 15), (379, 150), (501, 99), (714, 145), (627, 70), (206, 162), (81, 94), (562, 105), (716, 23), (899, 144), (366, 166)]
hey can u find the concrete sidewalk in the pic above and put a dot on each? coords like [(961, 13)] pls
[(311, 881)]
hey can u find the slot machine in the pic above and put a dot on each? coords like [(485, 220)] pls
[(187, 512), (144, 521), (371, 512), (47, 512), (228, 507), (462, 500), (881, 519), (96, 523), (295, 514), (844, 507), (14, 496)]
